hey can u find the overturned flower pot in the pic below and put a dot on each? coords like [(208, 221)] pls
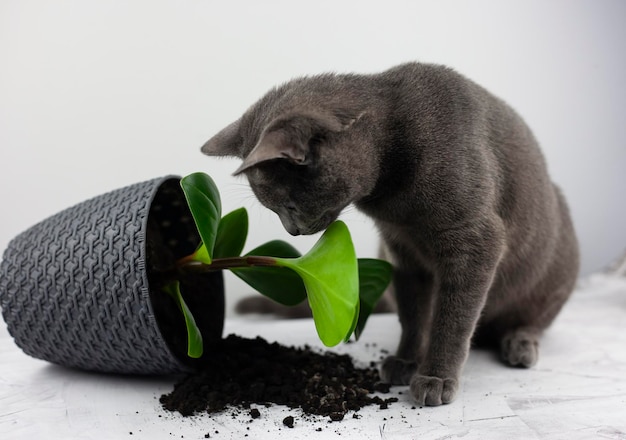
[(79, 288)]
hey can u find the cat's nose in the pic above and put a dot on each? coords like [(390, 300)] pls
[(292, 229), (289, 223)]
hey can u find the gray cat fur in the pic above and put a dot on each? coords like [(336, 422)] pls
[(481, 239)]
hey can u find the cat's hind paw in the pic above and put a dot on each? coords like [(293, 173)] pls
[(433, 391), (520, 348), (397, 371)]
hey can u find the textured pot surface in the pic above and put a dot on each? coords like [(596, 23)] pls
[(74, 289)]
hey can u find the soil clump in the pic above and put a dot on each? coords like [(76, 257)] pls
[(239, 372)]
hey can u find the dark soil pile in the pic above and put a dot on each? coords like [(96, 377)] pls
[(240, 372)]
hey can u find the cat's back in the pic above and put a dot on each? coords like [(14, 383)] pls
[(444, 98), (439, 114), (433, 82), (473, 155)]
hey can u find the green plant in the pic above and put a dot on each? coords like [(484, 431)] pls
[(341, 290)]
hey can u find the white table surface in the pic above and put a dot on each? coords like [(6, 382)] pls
[(577, 390)]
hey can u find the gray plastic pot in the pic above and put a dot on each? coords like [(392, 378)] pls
[(79, 289)]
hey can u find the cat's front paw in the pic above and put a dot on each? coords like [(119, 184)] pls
[(433, 391), (397, 371)]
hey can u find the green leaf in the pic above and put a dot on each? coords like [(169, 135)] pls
[(374, 277), (330, 273), (280, 284), (276, 248), (194, 337), (205, 205), (231, 234), (201, 254)]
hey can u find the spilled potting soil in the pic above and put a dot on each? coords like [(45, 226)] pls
[(241, 372)]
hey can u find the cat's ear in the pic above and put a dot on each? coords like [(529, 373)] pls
[(225, 143), (290, 137), (276, 144)]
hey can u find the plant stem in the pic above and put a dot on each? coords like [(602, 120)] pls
[(185, 266)]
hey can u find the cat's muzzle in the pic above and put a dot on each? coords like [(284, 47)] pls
[(296, 225)]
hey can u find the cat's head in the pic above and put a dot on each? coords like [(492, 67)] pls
[(306, 158)]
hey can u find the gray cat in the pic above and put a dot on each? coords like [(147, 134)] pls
[(481, 239)]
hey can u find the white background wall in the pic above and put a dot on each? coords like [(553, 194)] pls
[(97, 95)]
